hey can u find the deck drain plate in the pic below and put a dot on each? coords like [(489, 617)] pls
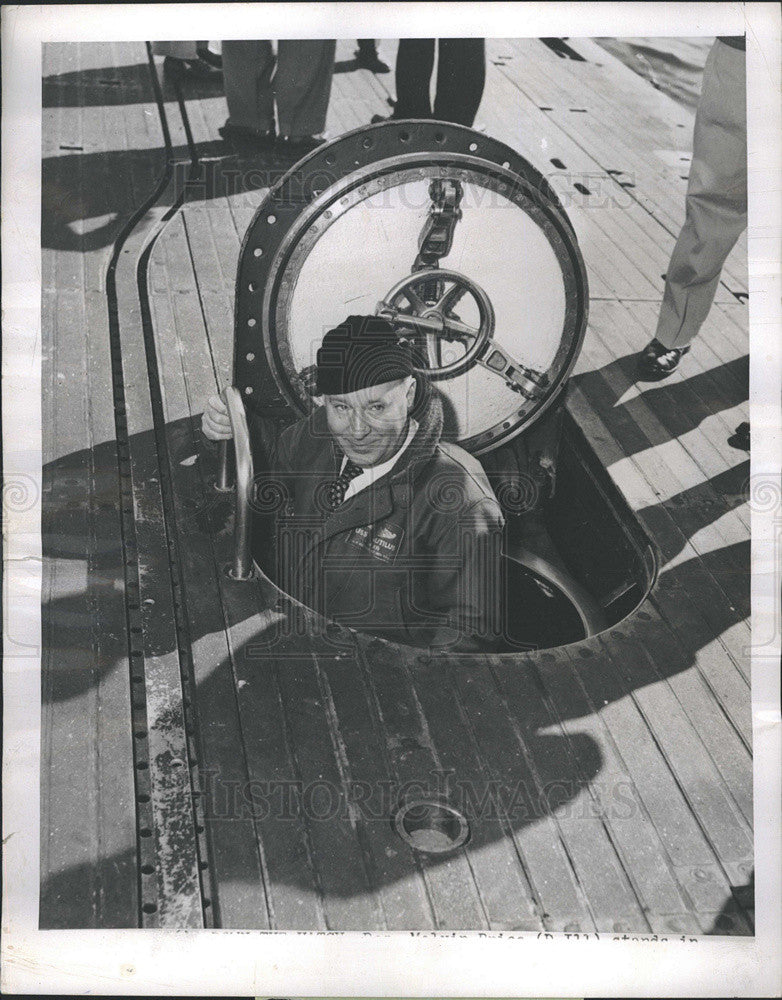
[(431, 827)]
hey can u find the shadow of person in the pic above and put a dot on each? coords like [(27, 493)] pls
[(725, 570), (274, 708), (94, 894), (87, 198), (678, 405), (744, 898), (114, 86), (105, 86), (346, 66)]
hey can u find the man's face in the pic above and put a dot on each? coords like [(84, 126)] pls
[(369, 424)]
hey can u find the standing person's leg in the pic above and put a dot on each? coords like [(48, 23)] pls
[(208, 55), (716, 199), (414, 65), (177, 50), (247, 70), (302, 86), (367, 57), (461, 75)]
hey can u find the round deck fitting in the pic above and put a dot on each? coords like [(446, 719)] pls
[(431, 827)]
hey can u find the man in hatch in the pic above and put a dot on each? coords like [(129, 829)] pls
[(389, 529)]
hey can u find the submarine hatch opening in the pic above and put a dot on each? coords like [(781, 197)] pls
[(474, 262), (579, 565), (572, 567)]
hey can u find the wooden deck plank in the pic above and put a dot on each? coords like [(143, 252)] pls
[(664, 463), (687, 403), (585, 834), (70, 857), (714, 695), (637, 840), (683, 744), (215, 267), (89, 698), (353, 101), (349, 901), (592, 144), (356, 729), (450, 882), (295, 897), (637, 434), (676, 593), (219, 316), (216, 247), (237, 876), (221, 182), (502, 881), (693, 860), (393, 868), (605, 126), (657, 128), (173, 831), (540, 843), (295, 894)]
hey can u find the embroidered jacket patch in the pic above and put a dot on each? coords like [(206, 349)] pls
[(383, 542)]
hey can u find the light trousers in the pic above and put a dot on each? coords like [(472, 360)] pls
[(716, 198), (301, 85)]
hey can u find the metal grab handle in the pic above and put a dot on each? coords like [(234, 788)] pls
[(242, 567), (224, 481)]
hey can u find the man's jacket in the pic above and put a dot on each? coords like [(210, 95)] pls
[(414, 558)]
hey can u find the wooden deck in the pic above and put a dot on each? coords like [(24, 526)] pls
[(166, 726)]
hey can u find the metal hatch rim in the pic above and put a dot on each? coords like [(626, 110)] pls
[(297, 216), (492, 150), (302, 236)]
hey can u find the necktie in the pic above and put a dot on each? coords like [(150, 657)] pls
[(337, 489)]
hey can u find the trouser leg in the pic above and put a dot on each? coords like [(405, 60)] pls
[(177, 50), (716, 210), (461, 75), (414, 65), (367, 47), (247, 71), (302, 85)]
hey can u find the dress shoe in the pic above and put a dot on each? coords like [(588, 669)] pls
[(180, 68), (299, 145), (201, 67), (205, 55), (657, 361), (740, 437), (371, 61), (246, 137)]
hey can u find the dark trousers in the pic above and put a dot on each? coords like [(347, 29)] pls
[(461, 74)]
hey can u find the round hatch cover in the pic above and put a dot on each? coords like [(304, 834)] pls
[(449, 234)]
